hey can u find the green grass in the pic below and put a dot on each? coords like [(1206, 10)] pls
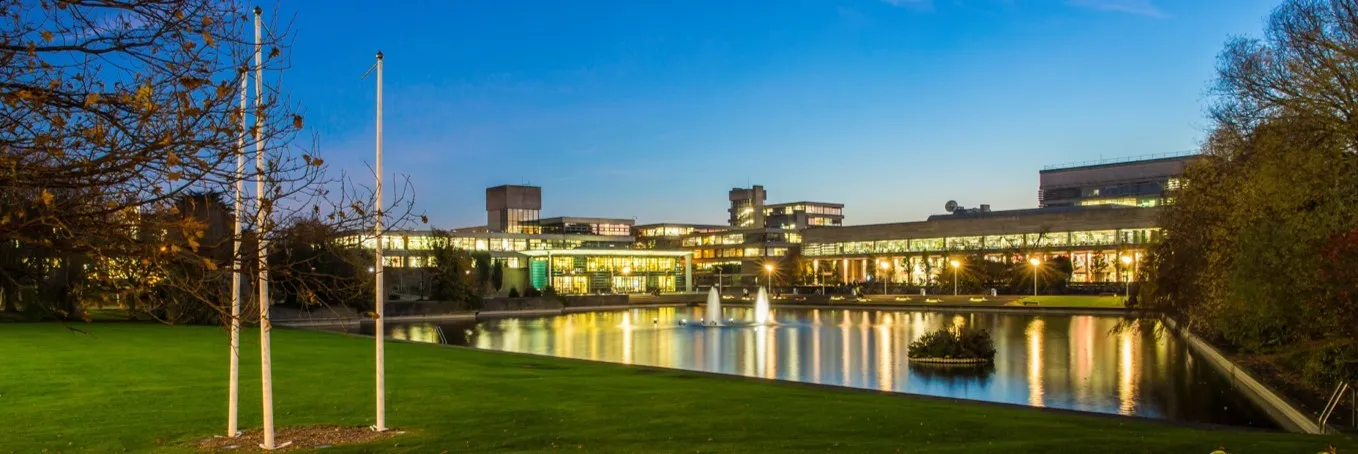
[(140, 387), (1080, 301)]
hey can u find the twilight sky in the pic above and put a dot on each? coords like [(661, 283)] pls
[(654, 109)]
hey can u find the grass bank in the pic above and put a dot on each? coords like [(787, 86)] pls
[(140, 387)]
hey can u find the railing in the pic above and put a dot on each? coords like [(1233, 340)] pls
[(1332, 404), (1118, 160)]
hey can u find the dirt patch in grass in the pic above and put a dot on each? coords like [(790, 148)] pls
[(301, 438)]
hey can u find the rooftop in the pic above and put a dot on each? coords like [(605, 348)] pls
[(1180, 155)]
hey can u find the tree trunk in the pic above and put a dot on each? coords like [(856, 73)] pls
[(8, 299)]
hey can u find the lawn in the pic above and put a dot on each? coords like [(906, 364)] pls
[(1080, 301), (140, 387)]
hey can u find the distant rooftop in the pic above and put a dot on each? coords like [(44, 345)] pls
[(580, 220), (1028, 212), (1121, 160), (824, 204)]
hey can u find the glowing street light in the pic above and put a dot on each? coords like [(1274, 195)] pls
[(1036, 263), (884, 265), (768, 268), (955, 265)]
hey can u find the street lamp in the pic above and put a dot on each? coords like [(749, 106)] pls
[(1128, 261), (768, 267), (626, 270), (955, 265), (884, 265), (1036, 263)]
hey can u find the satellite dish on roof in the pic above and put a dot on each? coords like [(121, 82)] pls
[(950, 206)]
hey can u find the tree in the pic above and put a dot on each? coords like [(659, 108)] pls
[(497, 276), (481, 265), (1244, 257), (451, 277)]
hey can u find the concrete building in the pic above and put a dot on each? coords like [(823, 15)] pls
[(747, 207), (508, 207), (669, 235), (801, 215), (579, 263), (1140, 182), (583, 226), (1095, 238)]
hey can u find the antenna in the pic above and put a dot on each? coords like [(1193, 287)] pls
[(951, 206)]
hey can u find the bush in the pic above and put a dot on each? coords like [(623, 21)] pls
[(532, 292), (955, 343), (513, 292)]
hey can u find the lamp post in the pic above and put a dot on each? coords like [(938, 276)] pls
[(1036, 263), (955, 265), (1127, 261), (768, 267), (885, 266), (626, 271)]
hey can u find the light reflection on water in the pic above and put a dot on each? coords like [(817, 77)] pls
[(1073, 362)]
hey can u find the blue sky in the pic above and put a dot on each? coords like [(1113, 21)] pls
[(654, 109)]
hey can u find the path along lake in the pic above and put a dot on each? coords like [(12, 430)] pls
[(1077, 362)]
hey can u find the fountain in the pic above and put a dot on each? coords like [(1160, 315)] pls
[(713, 317), (761, 307)]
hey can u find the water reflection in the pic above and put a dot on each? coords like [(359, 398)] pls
[(1074, 362)]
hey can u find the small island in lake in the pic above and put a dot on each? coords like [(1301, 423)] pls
[(956, 345)]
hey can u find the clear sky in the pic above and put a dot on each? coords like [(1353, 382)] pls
[(654, 109)]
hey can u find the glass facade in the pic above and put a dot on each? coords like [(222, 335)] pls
[(581, 274), (1082, 238)]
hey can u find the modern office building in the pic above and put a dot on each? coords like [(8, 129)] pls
[(747, 207), (669, 235), (1095, 238), (1139, 182), (509, 207), (1096, 214), (801, 215), (579, 263), (583, 226), (749, 210)]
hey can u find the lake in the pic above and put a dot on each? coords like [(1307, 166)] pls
[(1077, 362)]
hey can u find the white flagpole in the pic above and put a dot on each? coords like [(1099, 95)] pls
[(261, 229), (233, 398), (381, 297)]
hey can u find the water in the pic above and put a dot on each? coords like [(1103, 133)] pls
[(1073, 362)]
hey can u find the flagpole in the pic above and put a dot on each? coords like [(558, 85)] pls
[(378, 330), (261, 235), (233, 399)]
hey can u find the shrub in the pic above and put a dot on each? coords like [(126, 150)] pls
[(513, 292), (532, 292), (957, 343)]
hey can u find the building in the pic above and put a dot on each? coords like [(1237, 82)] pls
[(1099, 215), (669, 235), (1140, 182), (1095, 238), (747, 207), (801, 215), (573, 255), (509, 207), (585, 271), (583, 226), (748, 210), (579, 263)]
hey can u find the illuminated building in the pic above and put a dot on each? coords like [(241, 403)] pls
[(584, 226), (1093, 237), (1135, 182), (509, 207)]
